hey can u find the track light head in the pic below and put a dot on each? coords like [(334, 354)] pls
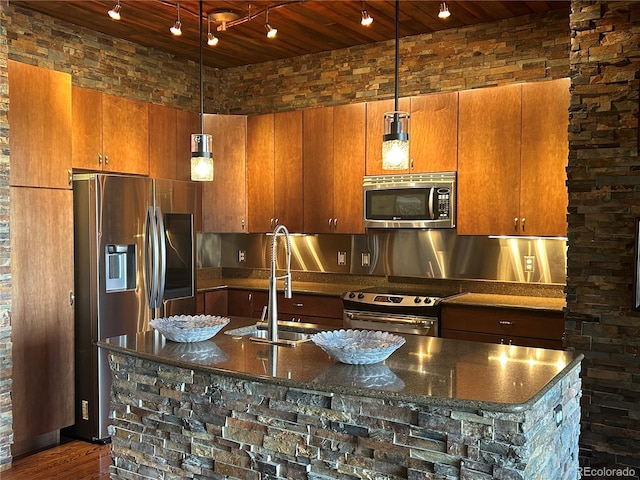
[(115, 11), (444, 11), (177, 26), (271, 32), (212, 40), (366, 19)]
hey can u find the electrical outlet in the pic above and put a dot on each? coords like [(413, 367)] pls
[(366, 259), (342, 258), (85, 410), (529, 263), (242, 256)]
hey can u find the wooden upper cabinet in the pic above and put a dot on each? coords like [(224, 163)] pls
[(224, 206), (162, 141), (349, 131), (489, 161), (375, 130), (545, 152), (260, 173), (110, 133), (288, 182), (40, 124), (433, 133), (318, 170), (274, 171), (513, 151)]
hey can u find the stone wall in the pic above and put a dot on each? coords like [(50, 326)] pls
[(6, 431), (604, 203), (177, 423)]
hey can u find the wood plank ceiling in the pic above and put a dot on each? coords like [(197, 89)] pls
[(304, 27)]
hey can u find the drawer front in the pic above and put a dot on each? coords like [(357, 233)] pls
[(503, 321), (310, 305), (503, 339)]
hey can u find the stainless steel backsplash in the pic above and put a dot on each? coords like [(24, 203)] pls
[(406, 253)]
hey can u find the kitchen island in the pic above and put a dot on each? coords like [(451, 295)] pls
[(436, 409)]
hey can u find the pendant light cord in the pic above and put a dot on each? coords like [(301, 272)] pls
[(396, 91), (201, 75)]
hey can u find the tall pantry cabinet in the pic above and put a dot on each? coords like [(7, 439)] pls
[(41, 224)]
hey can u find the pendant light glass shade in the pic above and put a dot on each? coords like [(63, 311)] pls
[(201, 157), (395, 141)]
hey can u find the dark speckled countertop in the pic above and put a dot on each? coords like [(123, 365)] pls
[(317, 288), (508, 301), (430, 370)]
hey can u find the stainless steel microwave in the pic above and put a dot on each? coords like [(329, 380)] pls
[(424, 200)]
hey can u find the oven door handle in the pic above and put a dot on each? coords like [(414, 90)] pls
[(383, 318)]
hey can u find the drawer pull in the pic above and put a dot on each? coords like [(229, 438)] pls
[(298, 305), (505, 323)]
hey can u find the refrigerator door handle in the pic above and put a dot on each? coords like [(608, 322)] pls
[(150, 258), (162, 256)]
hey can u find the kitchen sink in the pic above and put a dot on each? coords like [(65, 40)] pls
[(259, 333)]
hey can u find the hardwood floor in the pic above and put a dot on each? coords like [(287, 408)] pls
[(75, 460)]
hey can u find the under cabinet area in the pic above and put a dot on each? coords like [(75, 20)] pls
[(109, 133), (510, 326)]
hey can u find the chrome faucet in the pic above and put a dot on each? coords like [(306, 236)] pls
[(272, 310)]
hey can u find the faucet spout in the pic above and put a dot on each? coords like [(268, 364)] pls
[(272, 309)]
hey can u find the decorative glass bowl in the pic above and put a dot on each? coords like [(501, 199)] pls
[(358, 347), (189, 328)]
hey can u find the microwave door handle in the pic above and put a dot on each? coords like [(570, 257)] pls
[(431, 205)]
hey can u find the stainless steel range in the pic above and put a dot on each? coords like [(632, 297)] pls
[(408, 312)]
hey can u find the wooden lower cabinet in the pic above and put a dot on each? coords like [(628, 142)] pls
[(215, 302), (515, 326), (42, 316)]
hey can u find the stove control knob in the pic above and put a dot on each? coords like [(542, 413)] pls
[(417, 300), (351, 294), (360, 296), (427, 300)]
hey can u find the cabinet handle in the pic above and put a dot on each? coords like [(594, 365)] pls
[(515, 224), (242, 222), (106, 159), (72, 299), (100, 159), (250, 297), (330, 223), (523, 220), (505, 323), (277, 222), (70, 176), (298, 305), (335, 223)]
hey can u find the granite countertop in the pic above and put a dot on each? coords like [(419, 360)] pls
[(507, 301), (429, 370), (317, 288)]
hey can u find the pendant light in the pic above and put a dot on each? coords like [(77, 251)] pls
[(395, 141), (201, 143)]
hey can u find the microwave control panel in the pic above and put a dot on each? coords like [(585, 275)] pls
[(444, 202)]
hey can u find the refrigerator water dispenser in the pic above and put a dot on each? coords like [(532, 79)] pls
[(120, 267)]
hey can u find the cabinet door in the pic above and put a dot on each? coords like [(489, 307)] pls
[(125, 135), (348, 167), (87, 129), (545, 151), (375, 130), (318, 170), (260, 173), (433, 133), (40, 123), (215, 302), (224, 199), (187, 124), (42, 313), (288, 181), (162, 141), (489, 161)]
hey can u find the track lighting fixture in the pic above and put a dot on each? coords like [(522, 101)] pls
[(271, 32), (366, 19), (212, 40), (444, 11), (177, 26), (115, 11)]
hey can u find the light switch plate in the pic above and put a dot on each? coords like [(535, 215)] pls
[(242, 256), (342, 258)]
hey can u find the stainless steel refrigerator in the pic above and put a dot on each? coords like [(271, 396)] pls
[(134, 261)]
